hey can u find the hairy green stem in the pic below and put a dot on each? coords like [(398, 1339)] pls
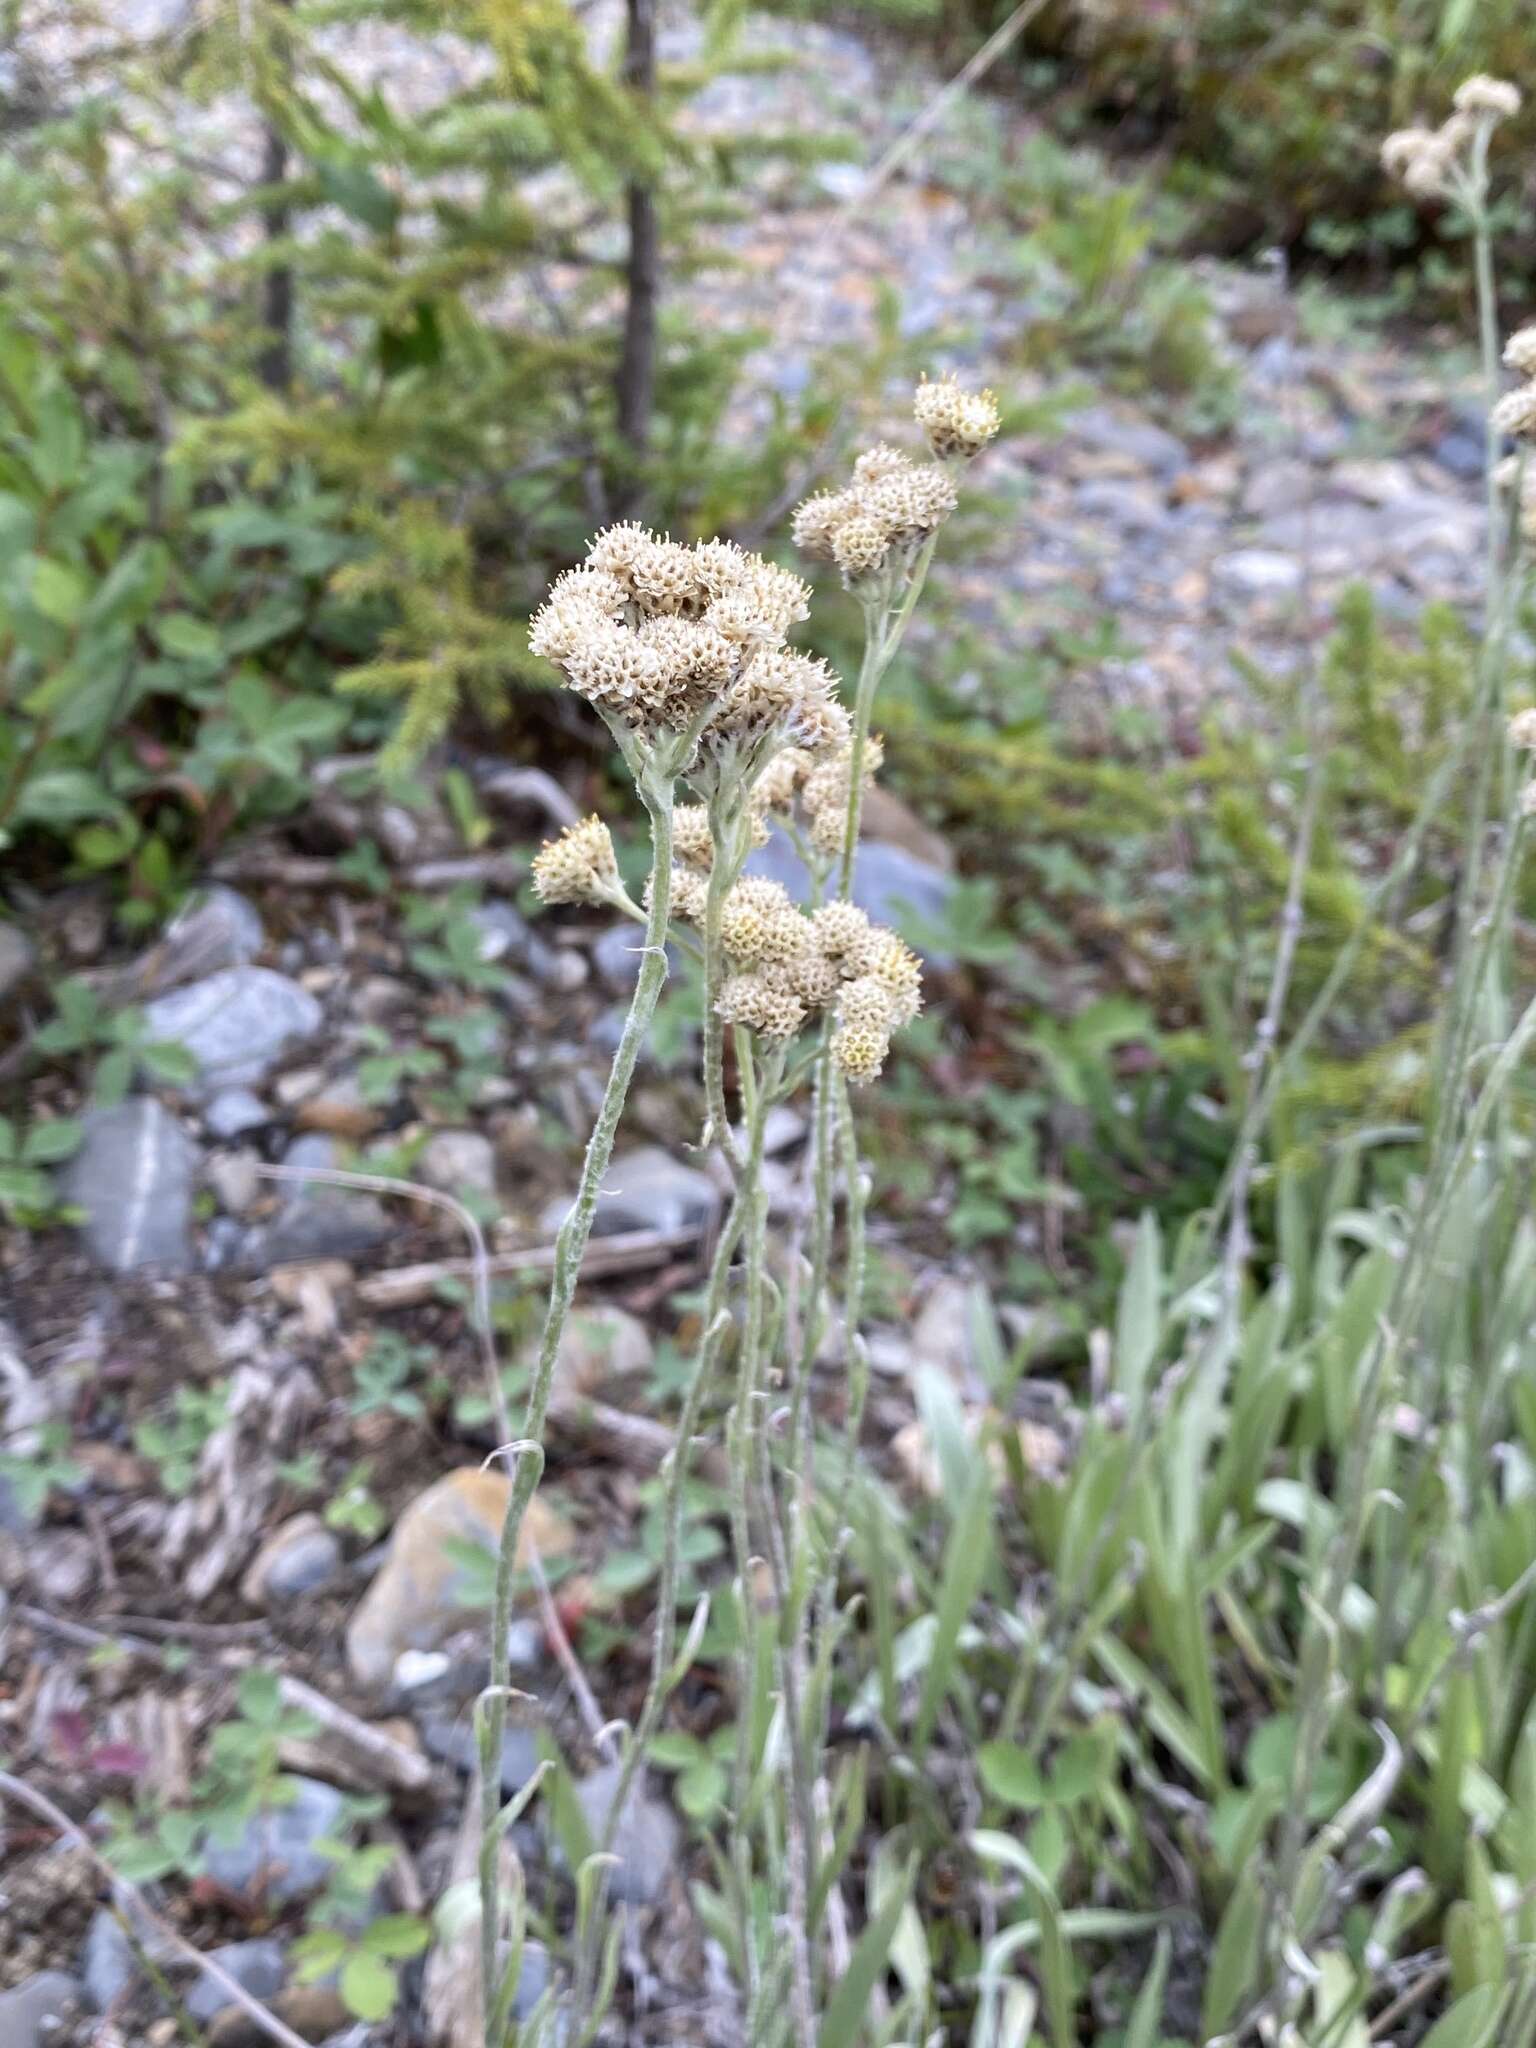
[(723, 866), (657, 791)]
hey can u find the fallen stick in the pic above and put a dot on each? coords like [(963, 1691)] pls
[(387, 1764), (627, 1252)]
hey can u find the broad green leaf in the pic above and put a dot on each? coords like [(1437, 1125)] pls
[(368, 1986), (49, 1142), (58, 591), (396, 1934), (187, 638), (1010, 1774)]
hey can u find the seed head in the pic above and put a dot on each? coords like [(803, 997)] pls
[(1522, 731), (1520, 351), (842, 932), (759, 923), (764, 1002), (863, 1035), (1420, 158), (814, 978), (775, 787), (668, 636), (689, 891), (956, 422), (1495, 97), (578, 867), (860, 543), (1515, 412), (899, 972), (880, 461)]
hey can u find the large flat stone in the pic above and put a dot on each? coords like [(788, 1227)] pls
[(236, 1024), (132, 1176)]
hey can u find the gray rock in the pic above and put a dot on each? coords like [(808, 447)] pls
[(645, 1840), (452, 1160), (214, 930), (1258, 572), (1278, 486), (888, 882), (234, 1111), (258, 1966), (18, 956), (1462, 452), (648, 1190), (1131, 506), (108, 1965), (233, 1178), (25, 2011), (276, 1851), (504, 931), (317, 1222), (452, 1738), (616, 954), (133, 1177), (236, 1024), (298, 1558), (1139, 441), (599, 1346)]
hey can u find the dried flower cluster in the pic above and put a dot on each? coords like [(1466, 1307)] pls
[(1517, 473), (1427, 160), (784, 963), (578, 867), (666, 635), (894, 503), (956, 422), (811, 791), (1515, 412)]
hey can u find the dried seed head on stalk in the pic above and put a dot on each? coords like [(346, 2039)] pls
[(764, 1001), (893, 502), (1427, 161), (578, 867), (956, 422), (670, 636), (1515, 412), (1520, 351), (1480, 94), (1522, 730), (864, 1024)]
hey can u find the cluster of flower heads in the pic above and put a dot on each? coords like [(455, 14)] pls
[(1427, 160), (667, 635), (578, 867), (1515, 412), (894, 502), (812, 790), (786, 963)]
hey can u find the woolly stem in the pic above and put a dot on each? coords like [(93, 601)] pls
[(721, 876), (740, 1432), (657, 791)]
